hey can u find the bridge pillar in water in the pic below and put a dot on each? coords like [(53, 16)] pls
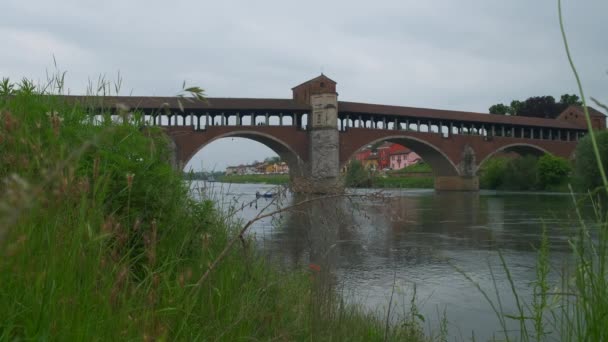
[(324, 175), (466, 180), (322, 172)]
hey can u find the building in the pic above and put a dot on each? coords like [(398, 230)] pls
[(576, 113), (386, 156), (277, 168), (403, 158), (258, 168), (232, 170), (363, 153), (371, 162)]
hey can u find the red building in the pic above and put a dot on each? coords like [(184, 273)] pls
[(384, 154), (363, 154)]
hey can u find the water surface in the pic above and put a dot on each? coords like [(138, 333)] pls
[(414, 238)]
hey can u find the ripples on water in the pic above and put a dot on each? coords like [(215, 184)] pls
[(415, 237)]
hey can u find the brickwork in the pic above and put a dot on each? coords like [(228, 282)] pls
[(318, 85), (290, 143), (445, 155), (316, 156)]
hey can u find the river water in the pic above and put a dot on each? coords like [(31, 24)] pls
[(408, 239)]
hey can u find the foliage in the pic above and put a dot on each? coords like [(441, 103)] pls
[(586, 172), (525, 173), (273, 160), (101, 240), (568, 100), (522, 173), (356, 175), (202, 175), (265, 179), (500, 109), (414, 168), (537, 106), (374, 147), (493, 173), (552, 171), (515, 107)]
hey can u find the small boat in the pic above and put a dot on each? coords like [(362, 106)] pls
[(267, 194)]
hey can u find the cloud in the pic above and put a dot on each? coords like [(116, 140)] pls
[(462, 55)]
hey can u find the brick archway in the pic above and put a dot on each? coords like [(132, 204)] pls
[(519, 148), (558, 148), (440, 163), (290, 146)]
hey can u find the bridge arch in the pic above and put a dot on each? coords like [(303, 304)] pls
[(519, 148), (440, 163), (277, 145)]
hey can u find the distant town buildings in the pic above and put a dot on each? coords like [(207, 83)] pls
[(387, 156), (265, 168)]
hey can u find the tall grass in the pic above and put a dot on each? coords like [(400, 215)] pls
[(101, 240)]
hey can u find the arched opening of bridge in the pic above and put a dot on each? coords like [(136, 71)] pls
[(397, 161), (511, 167), (513, 151), (245, 157)]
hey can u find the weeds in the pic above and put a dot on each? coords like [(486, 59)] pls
[(100, 239)]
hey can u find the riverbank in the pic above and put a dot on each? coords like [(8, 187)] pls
[(261, 179), (424, 182), (101, 240)]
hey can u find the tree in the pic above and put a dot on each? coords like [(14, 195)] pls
[(273, 160), (521, 173), (568, 100), (356, 175), (537, 106), (374, 147), (540, 107), (552, 171), (586, 172), (493, 173), (515, 107), (499, 109)]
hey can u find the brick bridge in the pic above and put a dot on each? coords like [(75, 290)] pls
[(317, 135)]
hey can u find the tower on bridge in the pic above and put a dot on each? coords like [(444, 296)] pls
[(324, 169)]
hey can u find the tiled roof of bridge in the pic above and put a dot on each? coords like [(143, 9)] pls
[(212, 103), (438, 114), (287, 105)]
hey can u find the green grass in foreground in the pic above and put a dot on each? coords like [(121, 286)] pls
[(265, 179), (100, 240)]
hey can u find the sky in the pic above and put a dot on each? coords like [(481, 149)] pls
[(459, 55)]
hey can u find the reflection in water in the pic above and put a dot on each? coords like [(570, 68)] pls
[(417, 238)]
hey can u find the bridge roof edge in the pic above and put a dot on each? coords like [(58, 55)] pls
[(439, 114)]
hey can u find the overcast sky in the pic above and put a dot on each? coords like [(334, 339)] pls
[(460, 55)]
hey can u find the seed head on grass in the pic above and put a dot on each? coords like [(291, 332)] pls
[(130, 177), (96, 168), (55, 121), (10, 123)]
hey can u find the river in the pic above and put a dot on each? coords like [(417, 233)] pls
[(414, 238)]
